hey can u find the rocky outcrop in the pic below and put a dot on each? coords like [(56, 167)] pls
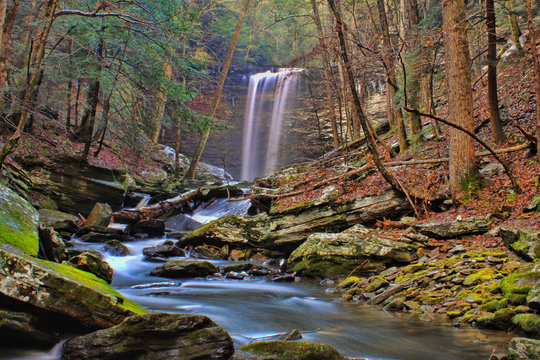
[(284, 231), (100, 215), (93, 264), (336, 255), (65, 224), (75, 187), (525, 243), (455, 228), (18, 222), (521, 348), (152, 337), (65, 294), (293, 350), (178, 269)]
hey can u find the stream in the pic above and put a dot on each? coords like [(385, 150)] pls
[(256, 308)]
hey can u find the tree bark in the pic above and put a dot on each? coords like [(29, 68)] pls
[(495, 119), (536, 63), (327, 75), (42, 36), (460, 103), (190, 174), (358, 106), (7, 22), (391, 77), (161, 100), (514, 27)]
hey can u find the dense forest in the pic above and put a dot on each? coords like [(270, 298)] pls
[(402, 171)]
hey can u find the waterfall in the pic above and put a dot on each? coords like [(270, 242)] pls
[(262, 133)]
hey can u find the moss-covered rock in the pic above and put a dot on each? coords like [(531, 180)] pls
[(154, 336), (18, 222), (521, 348), (178, 269), (294, 350), (517, 286), (528, 323), (62, 291), (500, 319), (524, 242), (481, 276)]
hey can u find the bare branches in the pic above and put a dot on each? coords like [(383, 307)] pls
[(97, 14)]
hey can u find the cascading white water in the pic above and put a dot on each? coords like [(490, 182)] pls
[(260, 157)]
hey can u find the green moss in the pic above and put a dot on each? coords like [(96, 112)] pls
[(18, 222), (454, 314), (348, 282), (90, 280), (519, 284), (530, 323), (294, 350), (481, 276)]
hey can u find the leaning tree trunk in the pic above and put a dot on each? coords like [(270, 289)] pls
[(495, 119), (190, 174), (42, 36), (534, 53), (327, 75), (460, 103), (514, 26), (8, 16)]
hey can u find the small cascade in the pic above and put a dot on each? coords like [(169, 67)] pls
[(262, 133)]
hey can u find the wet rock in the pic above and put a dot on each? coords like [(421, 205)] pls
[(291, 335), (152, 337), (284, 278), (178, 269), (528, 324), (336, 255), (521, 348), (456, 228), (208, 193), (93, 264), (500, 319), (153, 228), (235, 275), (182, 222), (64, 293), (116, 248), (294, 350), (18, 222), (525, 243), (52, 247), (102, 234), (19, 329), (164, 251), (59, 221), (247, 267), (100, 215), (71, 252)]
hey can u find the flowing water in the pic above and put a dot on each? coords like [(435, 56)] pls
[(260, 152)]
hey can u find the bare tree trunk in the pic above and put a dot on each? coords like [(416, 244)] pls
[(460, 103), (514, 26), (48, 11), (391, 76), (161, 100), (7, 21), (77, 98), (89, 118), (177, 152), (327, 75), (536, 63), (495, 119), (190, 174), (358, 106)]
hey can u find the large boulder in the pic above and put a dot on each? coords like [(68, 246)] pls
[(100, 215), (152, 337), (293, 350), (102, 234), (178, 269), (524, 242), (456, 228), (521, 348), (151, 227), (93, 264), (18, 222), (336, 255), (116, 248), (61, 292), (58, 220), (163, 251), (284, 231)]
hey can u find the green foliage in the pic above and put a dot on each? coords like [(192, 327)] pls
[(471, 184)]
